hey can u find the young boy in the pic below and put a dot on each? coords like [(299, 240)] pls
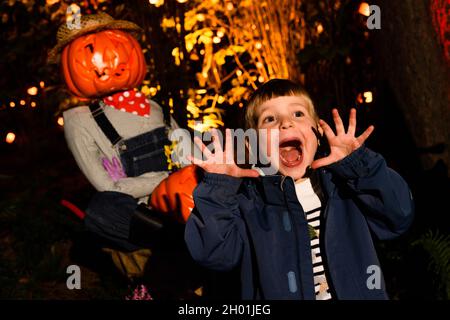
[(305, 233)]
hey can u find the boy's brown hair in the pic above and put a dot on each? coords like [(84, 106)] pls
[(273, 89)]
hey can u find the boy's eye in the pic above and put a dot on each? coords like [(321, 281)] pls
[(268, 119), (298, 114)]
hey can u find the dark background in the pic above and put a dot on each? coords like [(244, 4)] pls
[(405, 65)]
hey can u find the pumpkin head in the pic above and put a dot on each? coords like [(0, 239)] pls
[(173, 196), (98, 64)]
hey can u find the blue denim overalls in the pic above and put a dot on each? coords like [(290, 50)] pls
[(109, 213)]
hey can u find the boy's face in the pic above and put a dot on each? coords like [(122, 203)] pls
[(289, 115)]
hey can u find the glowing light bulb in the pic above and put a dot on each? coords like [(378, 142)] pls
[(364, 9), (22, 102), (258, 45), (319, 28), (60, 121), (32, 91), (368, 95), (33, 104), (12, 104), (10, 137)]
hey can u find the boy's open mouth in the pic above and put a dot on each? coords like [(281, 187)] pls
[(291, 152)]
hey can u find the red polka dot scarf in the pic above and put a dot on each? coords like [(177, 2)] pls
[(129, 101)]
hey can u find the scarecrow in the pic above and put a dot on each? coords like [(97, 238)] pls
[(118, 138)]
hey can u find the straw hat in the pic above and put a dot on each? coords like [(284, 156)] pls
[(88, 24)]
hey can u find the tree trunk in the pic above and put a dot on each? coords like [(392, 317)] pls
[(412, 61)]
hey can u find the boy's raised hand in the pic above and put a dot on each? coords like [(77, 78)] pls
[(342, 143), (221, 161)]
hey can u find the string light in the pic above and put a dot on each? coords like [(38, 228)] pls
[(153, 91), (32, 91), (230, 6), (33, 104), (364, 9), (319, 28), (156, 3), (10, 137), (42, 84), (12, 104), (217, 40), (22, 102), (359, 99), (258, 45), (368, 95), (60, 121)]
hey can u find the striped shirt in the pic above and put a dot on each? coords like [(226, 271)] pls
[(312, 207)]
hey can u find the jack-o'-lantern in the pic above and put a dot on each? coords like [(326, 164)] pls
[(174, 195), (98, 64)]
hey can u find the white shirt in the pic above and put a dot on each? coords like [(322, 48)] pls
[(312, 207)]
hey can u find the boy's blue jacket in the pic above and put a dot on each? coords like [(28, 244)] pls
[(258, 224)]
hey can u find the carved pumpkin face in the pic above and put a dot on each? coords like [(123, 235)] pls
[(97, 64)]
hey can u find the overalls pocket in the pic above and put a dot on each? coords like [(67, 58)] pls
[(145, 152)]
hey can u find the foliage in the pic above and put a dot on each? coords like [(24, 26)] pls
[(437, 245)]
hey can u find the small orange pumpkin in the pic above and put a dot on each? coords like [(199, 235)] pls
[(97, 64), (174, 195)]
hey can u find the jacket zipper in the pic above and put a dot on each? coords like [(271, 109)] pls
[(291, 216)]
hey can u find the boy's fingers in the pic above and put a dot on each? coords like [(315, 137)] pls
[(363, 137), (202, 147), (229, 150), (326, 129), (322, 162), (251, 173), (195, 161), (216, 141), (352, 122), (338, 122)]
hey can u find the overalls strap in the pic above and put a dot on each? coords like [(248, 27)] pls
[(103, 122)]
